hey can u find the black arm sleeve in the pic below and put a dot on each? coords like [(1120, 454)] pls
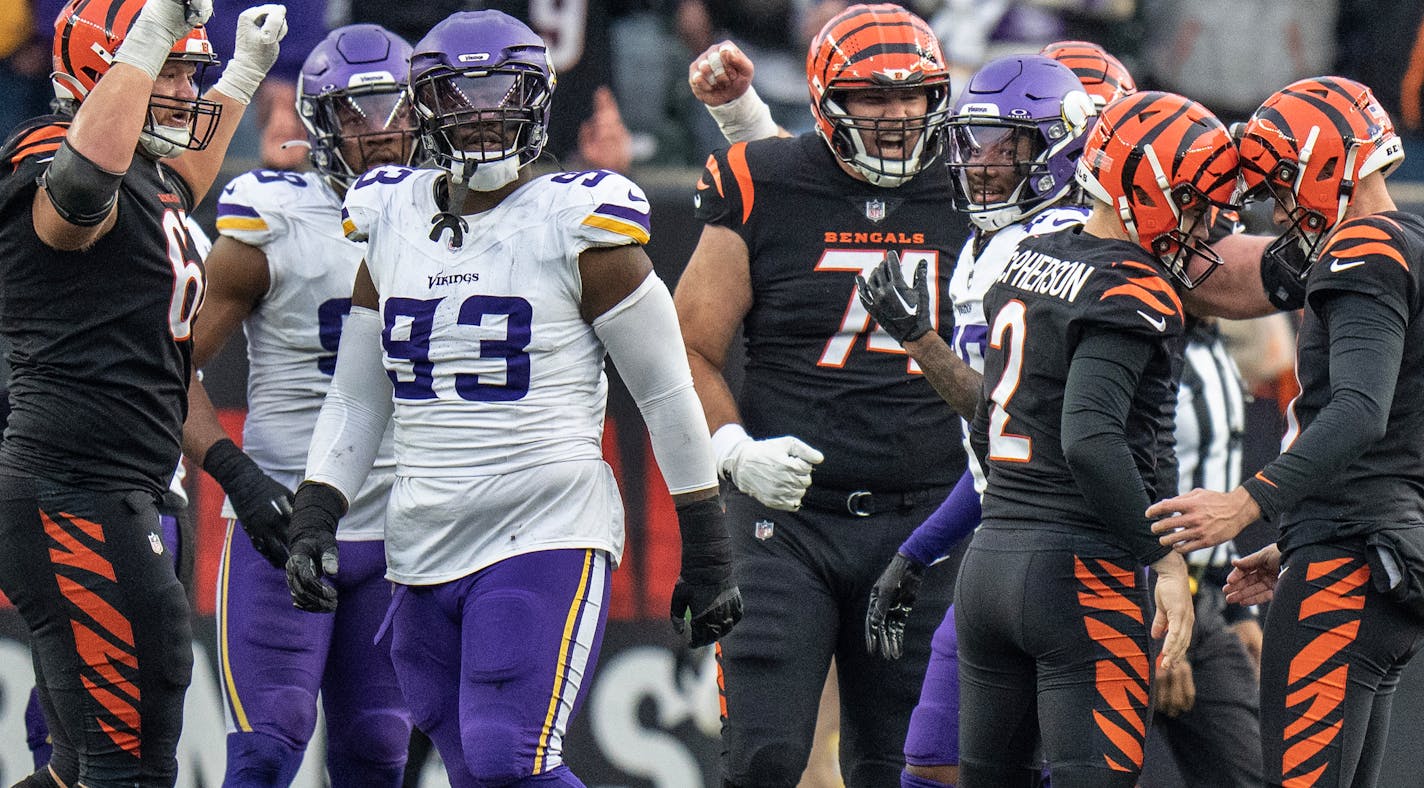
[(1102, 378), (1166, 476), (1366, 345)]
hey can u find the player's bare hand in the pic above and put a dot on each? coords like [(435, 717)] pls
[(1253, 579), (1202, 518), (1175, 613), (1176, 689), (720, 74), (603, 140)]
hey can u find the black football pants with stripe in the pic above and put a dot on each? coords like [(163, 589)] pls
[(1333, 653), (109, 628), (1053, 639)]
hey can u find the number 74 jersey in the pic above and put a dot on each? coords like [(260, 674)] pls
[(1055, 290), (494, 368)]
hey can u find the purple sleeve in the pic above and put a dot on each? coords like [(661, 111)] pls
[(955, 519)]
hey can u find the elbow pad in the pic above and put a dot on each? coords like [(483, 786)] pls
[(357, 409), (82, 192), (1284, 288), (657, 375)]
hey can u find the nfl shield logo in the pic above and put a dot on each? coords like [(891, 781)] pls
[(875, 209), (764, 529), (155, 543)]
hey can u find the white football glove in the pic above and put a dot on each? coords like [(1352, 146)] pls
[(775, 471), (259, 34), (158, 27)]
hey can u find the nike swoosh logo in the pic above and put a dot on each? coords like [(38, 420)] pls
[(633, 197), (696, 201), (910, 309), (1159, 323), (1337, 266)]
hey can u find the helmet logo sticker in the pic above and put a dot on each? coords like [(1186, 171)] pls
[(473, 57)]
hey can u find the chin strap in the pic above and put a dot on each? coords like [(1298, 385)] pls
[(450, 217)]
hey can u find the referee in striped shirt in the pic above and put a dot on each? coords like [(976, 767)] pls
[(1206, 709)]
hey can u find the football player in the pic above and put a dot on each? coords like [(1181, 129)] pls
[(282, 271), (837, 446), (1348, 491), (492, 297), (101, 282), (1051, 613)]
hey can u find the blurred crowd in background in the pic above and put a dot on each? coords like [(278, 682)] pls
[(623, 101)]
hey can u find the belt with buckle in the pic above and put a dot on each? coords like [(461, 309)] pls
[(864, 503)]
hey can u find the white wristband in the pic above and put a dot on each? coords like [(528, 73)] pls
[(726, 439), (146, 47), (744, 118), (239, 81)]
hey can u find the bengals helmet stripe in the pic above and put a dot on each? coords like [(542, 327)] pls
[(1161, 161), (1315, 139), (1104, 77), (885, 47)]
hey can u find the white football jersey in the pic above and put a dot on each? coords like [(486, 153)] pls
[(495, 371), (973, 275), (292, 335)]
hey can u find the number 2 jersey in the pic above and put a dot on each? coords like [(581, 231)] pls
[(817, 366), (495, 371), (1055, 290), (100, 345), (293, 333)]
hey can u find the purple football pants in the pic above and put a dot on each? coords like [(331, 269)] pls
[(933, 737), (493, 664), (276, 658)]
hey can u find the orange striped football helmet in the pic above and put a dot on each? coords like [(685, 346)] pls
[(1308, 146), (1162, 161), (1104, 77), (87, 34), (878, 47)]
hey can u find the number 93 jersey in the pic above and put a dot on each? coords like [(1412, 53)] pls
[(293, 333), (494, 369), (1056, 289)]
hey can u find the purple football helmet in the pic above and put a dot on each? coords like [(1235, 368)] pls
[(1015, 138), (481, 82), (352, 99)]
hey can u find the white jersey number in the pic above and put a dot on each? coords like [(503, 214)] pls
[(1006, 446), (187, 276), (856, 321)]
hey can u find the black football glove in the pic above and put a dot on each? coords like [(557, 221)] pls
[(891, 599), (902, 310), (706, 603), (262, 505), (313, 546)]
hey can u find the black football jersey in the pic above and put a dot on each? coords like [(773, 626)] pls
[(99, 338), (1380, 256), (818, 367), (1056, 289)]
